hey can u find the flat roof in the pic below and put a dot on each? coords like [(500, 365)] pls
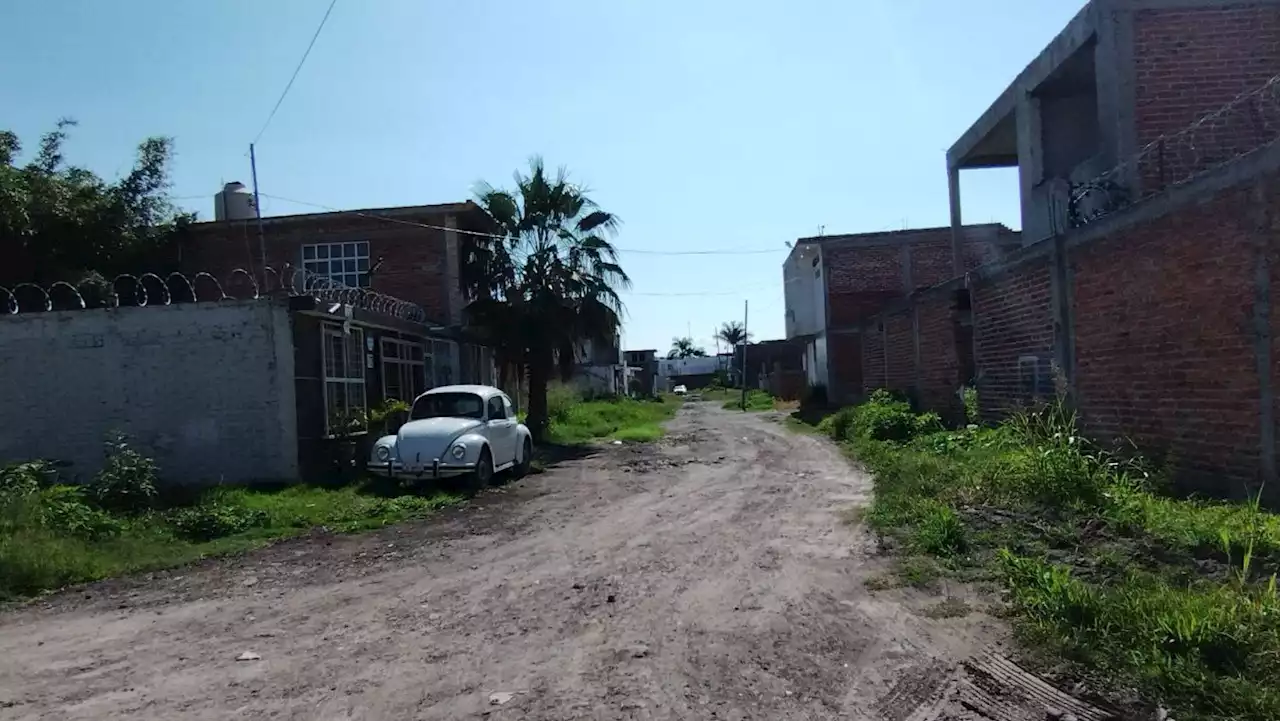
[(900, 236), (403, 211)]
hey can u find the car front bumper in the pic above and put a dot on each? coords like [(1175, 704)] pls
[(435, 469)]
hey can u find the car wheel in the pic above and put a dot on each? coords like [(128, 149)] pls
[(483, 475), (526, 460)]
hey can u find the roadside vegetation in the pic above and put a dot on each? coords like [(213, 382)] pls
[(53, 534), (575, 420), (1132, 588), (731, 398)]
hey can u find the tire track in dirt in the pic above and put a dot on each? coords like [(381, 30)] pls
[(705, 576)]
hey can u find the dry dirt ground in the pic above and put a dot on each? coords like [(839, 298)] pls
[(709, 576)]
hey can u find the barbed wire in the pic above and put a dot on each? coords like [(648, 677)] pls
[(149, 289), (1250, 121)]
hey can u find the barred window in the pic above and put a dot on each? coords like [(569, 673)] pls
[(344, 393), (345, 263), (403, 369)]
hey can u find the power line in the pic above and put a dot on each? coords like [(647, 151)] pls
[(296, 70), (739, 291), (638, 251)]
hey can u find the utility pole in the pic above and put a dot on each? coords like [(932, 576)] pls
[(744, 355), (257, 210)]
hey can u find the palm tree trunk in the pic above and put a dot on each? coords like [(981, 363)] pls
[(539, 376)]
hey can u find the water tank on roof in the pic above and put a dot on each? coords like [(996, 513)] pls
[(233, 202)]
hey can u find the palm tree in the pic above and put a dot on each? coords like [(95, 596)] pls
[(733, 333), (549, 282), (685, 348)]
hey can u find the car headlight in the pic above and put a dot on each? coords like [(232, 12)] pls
[(382, 453), (459, 451)]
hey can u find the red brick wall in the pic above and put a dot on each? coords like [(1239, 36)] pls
[(414, 267), (844, 366), (1189, 62), (873, 375), (862, 280), (940, 374), (931, 263), (1012, 318), (901, 350), (1163, 336)]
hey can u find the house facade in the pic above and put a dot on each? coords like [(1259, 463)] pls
[(412, 254), (833, 283)]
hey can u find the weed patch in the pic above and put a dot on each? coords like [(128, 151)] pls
[(574, 420), (1134, 589), (53, 535)]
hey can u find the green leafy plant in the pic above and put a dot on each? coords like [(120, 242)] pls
[(63, 509), (127, 481), (23, 479), (972, 411), (389, 415), (214, 519), (940, 533)]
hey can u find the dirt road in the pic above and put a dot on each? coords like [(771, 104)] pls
[(709, 576)]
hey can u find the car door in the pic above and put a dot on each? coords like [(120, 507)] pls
[(502, 431), (515, 427)]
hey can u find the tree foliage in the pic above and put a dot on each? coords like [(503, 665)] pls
[(58, 221), (733, 333), (549, 282), (685, 348)]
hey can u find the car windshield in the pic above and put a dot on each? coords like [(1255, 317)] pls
[(448, 405)]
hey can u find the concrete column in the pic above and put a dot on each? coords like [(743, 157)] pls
[(1035, 206), (957, 223), (453, 269)]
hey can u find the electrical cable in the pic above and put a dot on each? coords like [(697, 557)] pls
[(638, 251), (296, 70)]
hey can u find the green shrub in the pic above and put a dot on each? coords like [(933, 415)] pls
[(62, 509), (885, 418), (213, 519), (23, 479), (839, 425), (127, 481)]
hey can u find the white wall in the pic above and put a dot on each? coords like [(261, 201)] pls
[(688, 366), (805, 294), (207, 389)]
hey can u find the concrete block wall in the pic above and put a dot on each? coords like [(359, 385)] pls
[(205, 388)]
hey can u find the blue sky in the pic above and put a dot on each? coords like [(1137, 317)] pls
[(704, 125)]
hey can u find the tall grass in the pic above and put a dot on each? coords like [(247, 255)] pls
[(1176, 598), (52, 535), (574, 420)]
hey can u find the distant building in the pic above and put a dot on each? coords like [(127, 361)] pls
[(690, 372), (642, 366), (833, 283)]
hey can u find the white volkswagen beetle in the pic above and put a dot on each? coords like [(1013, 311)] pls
[(455, 431)]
